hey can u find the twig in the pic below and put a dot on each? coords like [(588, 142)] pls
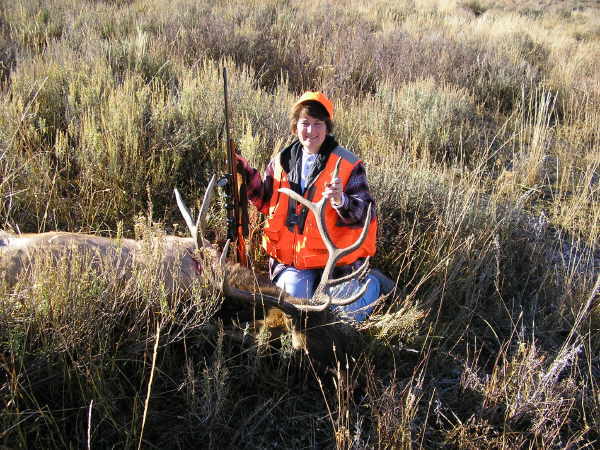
[(89, 430), (149, 384)]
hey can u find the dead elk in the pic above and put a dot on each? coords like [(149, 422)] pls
[(259, 307)]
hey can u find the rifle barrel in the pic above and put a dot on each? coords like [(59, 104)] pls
[(235, 212), (231, 161)]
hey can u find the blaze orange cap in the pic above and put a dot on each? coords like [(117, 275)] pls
[(317, 97)]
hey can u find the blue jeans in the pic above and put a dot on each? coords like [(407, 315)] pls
[(302, 284), (358, 310), (299, 283)]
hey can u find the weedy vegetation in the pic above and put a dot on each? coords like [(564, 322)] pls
[(479, 125)]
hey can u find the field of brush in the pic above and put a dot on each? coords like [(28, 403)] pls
[(479, 125)]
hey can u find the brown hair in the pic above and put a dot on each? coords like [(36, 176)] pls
[(313, 109)]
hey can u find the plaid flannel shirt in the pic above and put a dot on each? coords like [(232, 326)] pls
[(356, 198)]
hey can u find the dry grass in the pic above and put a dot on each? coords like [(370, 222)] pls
[(478, 121)]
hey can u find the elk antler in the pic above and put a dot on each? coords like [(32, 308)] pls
[(197, 229), (318, 209)]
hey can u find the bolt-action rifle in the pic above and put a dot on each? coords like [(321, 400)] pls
[(236, 199)]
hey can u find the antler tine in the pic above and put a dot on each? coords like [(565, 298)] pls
[(206, 200), (358, 273), (335, 254), (185, 212), (329, 300), (347, 300), (317, 208), (197, 229)]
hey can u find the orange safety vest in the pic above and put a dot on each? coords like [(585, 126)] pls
[(302, 247)]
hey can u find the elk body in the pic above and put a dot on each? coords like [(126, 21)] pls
[(21, 253), (253, 302)]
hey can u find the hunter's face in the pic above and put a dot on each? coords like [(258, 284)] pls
[(311, 132)]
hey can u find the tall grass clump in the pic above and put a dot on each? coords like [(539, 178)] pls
[(34, 25), (421, 117), (478, 125)]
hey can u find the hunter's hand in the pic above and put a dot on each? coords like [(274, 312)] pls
[(333, 191), (242, 163)]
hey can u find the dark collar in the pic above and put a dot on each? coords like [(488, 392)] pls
[(291, 161)]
